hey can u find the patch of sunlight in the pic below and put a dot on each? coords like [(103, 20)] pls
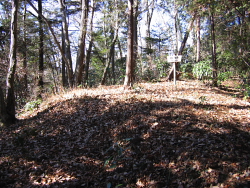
[(44, 179), (145, 181)]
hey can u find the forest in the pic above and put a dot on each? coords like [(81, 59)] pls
[(48, 46), (88, 97)]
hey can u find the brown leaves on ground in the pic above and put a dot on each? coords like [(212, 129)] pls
[(155, 135)]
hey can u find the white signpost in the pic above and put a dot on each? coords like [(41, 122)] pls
[(174, 59)]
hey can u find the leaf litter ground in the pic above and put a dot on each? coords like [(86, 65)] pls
[(154, 135)]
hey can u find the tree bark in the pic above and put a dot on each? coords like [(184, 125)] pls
[(81, 44), (129, 77), (176, 23), (10, 100), (183, 44), (135, 33), (190, 27), (3, 113), (214, 56), (198, 43), (86, 71), (41, 50), (112, 60), (114, 36), (25, 47), (64, 76), (109, 59), (65, 41), (70, 75), (150, 12)]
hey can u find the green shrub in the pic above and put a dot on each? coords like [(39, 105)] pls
[(30, 106), (247, 92), (186, 70), (202, 70), (223, 76)]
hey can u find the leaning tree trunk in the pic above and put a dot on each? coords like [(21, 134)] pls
[(183, 44), (109, 59), (70, 73), (190, 27), (10, 100)]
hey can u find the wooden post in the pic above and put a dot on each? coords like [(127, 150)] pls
[(174, 59), (174, 64)]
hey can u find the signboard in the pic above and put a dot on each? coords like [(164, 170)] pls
[(174, 58)]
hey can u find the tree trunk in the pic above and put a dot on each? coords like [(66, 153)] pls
[(109, 59), (112, 60), (105, 72), (41, 59), (10, 100), (135, 33), (120, 49), (81, 45), (53, 70), (129, 77), (150, 12), (64, 76), (183, 44), (190, 27), (198, 43), (25, 48), (70, 73), (65, 41), (176, 29), (3, 113), (88, 56), (214, 58)]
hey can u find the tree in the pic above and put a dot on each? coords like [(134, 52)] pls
[(113, 29), (8, 115), (214, 57), (24, 51), (150, 7), (80, 61), (91, 41), (70, 73), (65, 41), (198, 36), (183, 44), (41, 50), (4, 117), (190, 27), (130, 62), (110, 57)]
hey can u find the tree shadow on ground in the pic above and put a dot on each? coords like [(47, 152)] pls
[(97, 142), (233, 92)]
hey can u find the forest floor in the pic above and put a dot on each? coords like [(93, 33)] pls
[(154, 135)]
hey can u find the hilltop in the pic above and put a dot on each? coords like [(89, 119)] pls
[(154, 135)]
